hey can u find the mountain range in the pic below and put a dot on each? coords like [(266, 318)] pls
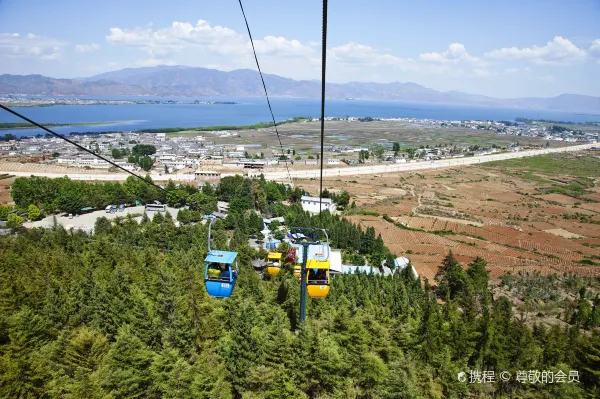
[(182, 81)]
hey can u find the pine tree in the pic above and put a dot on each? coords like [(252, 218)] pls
[(589, 359), (451, 278), (20, 378), (478, 274), (125, 371), (157, 218), (171, 375), (210, 377)]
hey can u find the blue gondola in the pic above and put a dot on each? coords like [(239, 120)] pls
[(220, 272)]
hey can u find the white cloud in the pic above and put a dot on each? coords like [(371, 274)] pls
[(280, 46), (595, 49), (85, 48), (557, 51), (33, 46), (215, 39), (509, 71), (359, 54), (456, 53), (547, 78), (226, 49), (355, 57)]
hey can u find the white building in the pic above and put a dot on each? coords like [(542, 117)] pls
[(333, 162), (311, 204), (207, 174), (83, 161), (402, 262), (68, 159), (126, 165)]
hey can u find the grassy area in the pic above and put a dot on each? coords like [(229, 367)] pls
[(26, 125), (532, 177), (361, 212), (552, 165), (527, 176), (182, 133), (193, 130)]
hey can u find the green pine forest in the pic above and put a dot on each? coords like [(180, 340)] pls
[(124, 313)]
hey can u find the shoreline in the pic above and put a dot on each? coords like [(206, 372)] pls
[(53, 103), (175, 131), (168, 130), (25, 126)]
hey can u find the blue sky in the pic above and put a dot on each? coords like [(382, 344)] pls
[(498, 48)]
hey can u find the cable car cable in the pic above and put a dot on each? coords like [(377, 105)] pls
[(323, 71), (265, 88), (78, 146)]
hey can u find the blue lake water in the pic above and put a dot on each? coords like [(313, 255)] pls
[(255, 110)]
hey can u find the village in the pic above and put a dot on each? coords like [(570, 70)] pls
[(212, 154)]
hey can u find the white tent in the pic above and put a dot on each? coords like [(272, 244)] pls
[(335, 258), (402, 262)]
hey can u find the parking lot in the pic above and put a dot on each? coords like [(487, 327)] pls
[(86, 221)]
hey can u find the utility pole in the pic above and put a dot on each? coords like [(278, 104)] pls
[(305, 246), (312, 234)]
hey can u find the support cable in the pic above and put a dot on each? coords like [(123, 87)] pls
[(323, 71), (266, 93), (2, 106)]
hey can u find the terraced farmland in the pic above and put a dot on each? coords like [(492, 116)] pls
[(520, 227)]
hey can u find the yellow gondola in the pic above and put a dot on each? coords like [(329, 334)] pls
[(297, 270), (317, 278), (274, 262)]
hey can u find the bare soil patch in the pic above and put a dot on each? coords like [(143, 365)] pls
[(514, 225), (6, 182), (563, 233)]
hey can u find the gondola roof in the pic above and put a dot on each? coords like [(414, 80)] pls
[(221, 256)]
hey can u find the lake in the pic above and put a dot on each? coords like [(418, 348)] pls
[(254, 110)]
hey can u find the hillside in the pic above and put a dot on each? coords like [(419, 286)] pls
[(202, 82), (125, 313)]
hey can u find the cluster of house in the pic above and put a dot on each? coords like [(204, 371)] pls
[(212, 161), (172, 153), (515, 129)]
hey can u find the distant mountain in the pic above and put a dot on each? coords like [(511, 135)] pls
[(202, 82), (123, 75), (41, 85)]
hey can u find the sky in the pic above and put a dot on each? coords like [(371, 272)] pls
[(523, 48)]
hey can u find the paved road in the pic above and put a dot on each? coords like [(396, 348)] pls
[(414, 166), (86, 222), (314, 173)]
